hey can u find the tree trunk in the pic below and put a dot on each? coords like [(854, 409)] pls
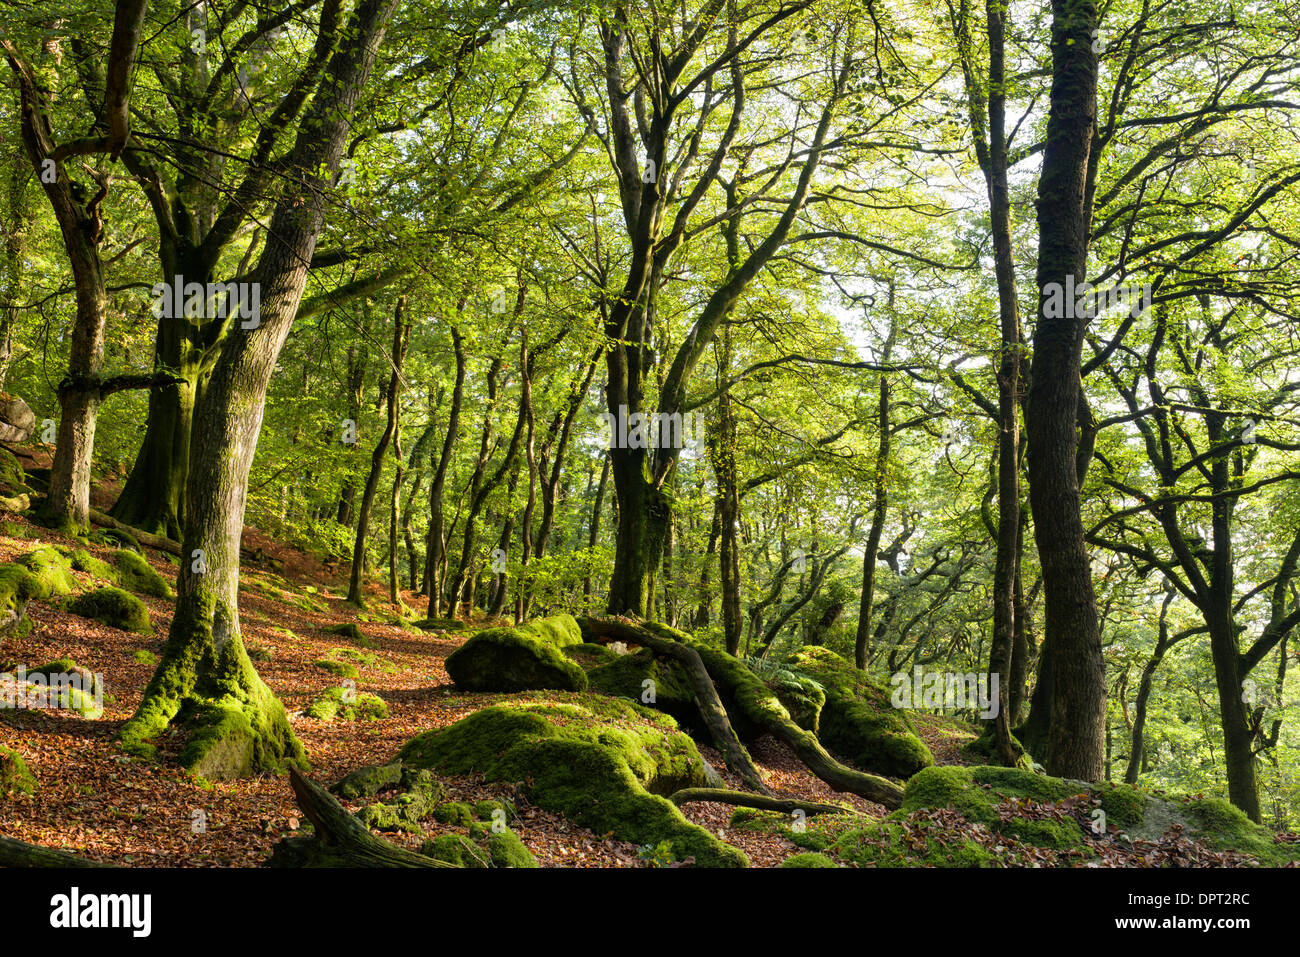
[(401, 331), (205, 682), (1075, 740), (433, 553)]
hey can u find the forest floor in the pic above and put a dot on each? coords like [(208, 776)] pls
[(94, 800)]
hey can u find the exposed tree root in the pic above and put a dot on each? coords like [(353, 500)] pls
[(706, 694), (761, 801), (758, 704)]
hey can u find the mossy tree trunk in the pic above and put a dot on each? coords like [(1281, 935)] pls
[(205, 682), (1075, 734)]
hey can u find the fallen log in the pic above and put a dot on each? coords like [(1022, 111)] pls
[(706, 694), (104, 520), (339, 839), (762, 802), (760, 706), (15, 853)]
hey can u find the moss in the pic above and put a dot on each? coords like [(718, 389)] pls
[(340, 669), (483, 810), (114, 538), (364, 659), (18, 586), (208, 689), (137, 575), (456, 849), (440, 624), (14, 530), (625, 676), (349, 629), (454, 812), (83, 561), (558, 631), (144, 657), (1223, 826), (518, 659), (894, 843), (347, 705), (260, 654), (114, 607), (808, 859), (858, 722), (602, 762), (12, 477), (1124, 805), (589, 655), (51, 569), (66, 666), (14, 776), (505, 849), (368, 780)]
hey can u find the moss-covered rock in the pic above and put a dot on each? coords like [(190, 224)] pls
[(808, 859), (484, 810), (51, 569), (505, 849), (347, 704), (61, 684), (137, 575), (454, 812), (625, 676), (83, 561), (113, 607), (18, 586), (419, 796), (525, 658), (364, 659), (589, 655), (14, 776), (13, 480), (858, 722), (368, 780), (602, 762)]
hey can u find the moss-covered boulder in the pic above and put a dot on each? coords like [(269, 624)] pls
[(14, 776), (13, 480), (82, 561), (589, 655), (347, 704), (658, 683), (51, 569), (480, 850), (419, 795), (113, 607), (603, 762), (137, 575), (18, 586), (858, 722), (368, 780), (62, 684), (808, 859), (526, 658), (984, 794)]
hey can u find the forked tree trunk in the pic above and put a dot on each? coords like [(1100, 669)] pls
[(205, 682)]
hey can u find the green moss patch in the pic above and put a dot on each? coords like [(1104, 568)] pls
[(51, 569), (858, 722), (83, 561), (113, 607), (18, 586), (14, 776), (808, 859), (345, 704), (340, 669), (626, 676), (602, 762), (137, 575), (526, 658)]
